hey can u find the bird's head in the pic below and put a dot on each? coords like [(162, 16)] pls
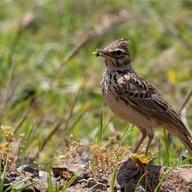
[(116, 54)]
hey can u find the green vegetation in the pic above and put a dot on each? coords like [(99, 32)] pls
[(50, 96)]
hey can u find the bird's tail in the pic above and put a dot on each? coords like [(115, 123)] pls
[(185, 137)]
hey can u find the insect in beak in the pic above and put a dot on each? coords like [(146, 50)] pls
[(101, 53)]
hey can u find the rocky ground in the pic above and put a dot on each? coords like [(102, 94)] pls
[(95, 169)]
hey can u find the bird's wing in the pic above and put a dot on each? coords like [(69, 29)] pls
[(147, 100)]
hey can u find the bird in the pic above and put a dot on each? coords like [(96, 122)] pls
[(134, 99)]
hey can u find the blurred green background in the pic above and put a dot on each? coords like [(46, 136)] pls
[(49, 78)]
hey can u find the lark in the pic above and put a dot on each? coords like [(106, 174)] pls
[(135, 100)]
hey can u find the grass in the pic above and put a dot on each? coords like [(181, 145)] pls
[(174, 165), (139, 182), (126, 133), (166, 139), (1, 177), (114, 179), (36, 39), (101, 128), (69, 183), (17, 188)]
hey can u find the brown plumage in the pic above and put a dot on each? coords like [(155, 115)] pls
[(135, 100)]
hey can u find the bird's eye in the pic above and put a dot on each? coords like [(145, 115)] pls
[(119, 53)]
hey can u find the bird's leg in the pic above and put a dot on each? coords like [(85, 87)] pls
[(144, 135), (150, 136)]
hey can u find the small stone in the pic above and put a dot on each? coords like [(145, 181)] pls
[(30, 169)]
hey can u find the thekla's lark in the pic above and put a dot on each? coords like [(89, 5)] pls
[(135, 100)]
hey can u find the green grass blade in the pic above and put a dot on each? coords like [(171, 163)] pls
[(49, 180), (167, 147), (139, 181), (1, 177), (69, 183), (126, 134), (114, 179), (13, 188), (100, 128)]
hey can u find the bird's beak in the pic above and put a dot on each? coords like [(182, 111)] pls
[(101, 53)]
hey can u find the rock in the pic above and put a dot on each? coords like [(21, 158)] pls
[(130, 173), (28, 169), (42, 182), (30, 179), (96, 185), (68, 170)]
